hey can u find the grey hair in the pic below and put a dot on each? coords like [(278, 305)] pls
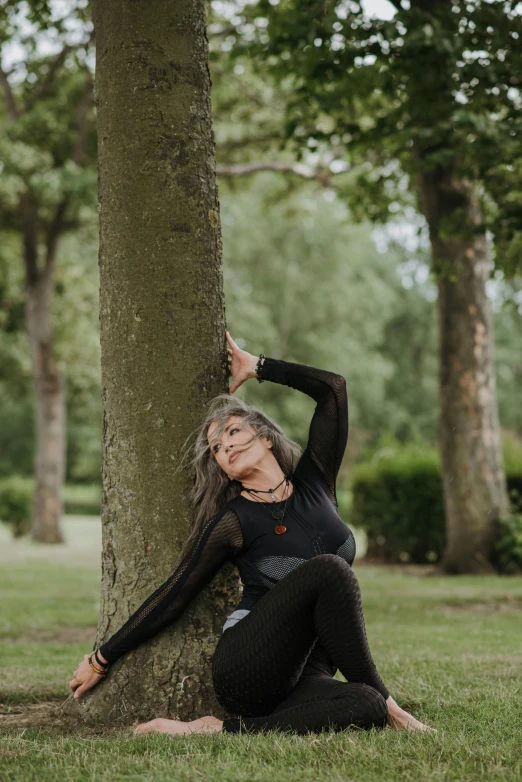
[(212, 487)]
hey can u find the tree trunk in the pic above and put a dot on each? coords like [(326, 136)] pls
[(475, 492), (49, 385), (163, 343)]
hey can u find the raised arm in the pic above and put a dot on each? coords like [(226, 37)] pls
[(328, 433), (219, 540)]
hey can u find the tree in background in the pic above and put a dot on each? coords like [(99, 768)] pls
[(424, 105), (77, 350), (47, 152), (163, 351)]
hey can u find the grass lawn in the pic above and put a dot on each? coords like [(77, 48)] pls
[(449, 650)]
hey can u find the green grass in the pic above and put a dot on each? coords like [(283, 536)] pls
[(48, 617), (449, 650)]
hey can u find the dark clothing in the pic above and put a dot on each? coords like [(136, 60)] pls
[(243, 530), (271, 668), (303, 575)]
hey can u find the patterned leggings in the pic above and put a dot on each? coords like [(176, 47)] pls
[(274, 668)]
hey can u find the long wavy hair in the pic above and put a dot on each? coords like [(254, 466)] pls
[(212, 487)]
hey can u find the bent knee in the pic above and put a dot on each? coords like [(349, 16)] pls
[(363, 706), (377, 707), (333, 565), (331, 561)]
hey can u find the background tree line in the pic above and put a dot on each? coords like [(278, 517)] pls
[(338, 165)]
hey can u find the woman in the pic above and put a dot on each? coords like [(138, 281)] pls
[(300, 617)]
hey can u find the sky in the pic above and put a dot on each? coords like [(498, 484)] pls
[(380, 9)]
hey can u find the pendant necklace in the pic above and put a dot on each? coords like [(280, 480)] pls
[(265, 491), (276, 513)]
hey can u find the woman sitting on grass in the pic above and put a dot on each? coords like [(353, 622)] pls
[(300, 617)]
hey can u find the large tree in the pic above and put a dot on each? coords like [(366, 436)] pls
[(425, 106), (162, 342)]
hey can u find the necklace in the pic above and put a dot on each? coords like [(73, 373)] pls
[(265, 491), (276, 513)]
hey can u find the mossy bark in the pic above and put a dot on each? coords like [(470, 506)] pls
[(163, 343), (475, 492)]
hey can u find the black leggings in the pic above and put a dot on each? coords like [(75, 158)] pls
[(267, 668)]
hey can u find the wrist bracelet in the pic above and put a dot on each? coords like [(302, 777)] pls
[(102, 665), (258, 368), (95, 668)]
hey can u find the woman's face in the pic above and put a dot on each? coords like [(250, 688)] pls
[(235, 450)]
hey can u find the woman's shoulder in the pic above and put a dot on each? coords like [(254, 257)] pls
[(227, 514), (222, 524), (225, 529)]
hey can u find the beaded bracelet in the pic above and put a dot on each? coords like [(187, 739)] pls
[(258, 368), (95, 668)]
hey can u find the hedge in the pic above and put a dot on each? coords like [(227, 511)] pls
[(398, 501), (16, 496)]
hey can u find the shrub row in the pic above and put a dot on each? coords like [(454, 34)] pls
[(15, 503), (398, 501), (16, 496)]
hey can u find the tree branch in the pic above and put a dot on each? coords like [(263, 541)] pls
[(44, 84), (302, 170), (240, 143), (55, 66)]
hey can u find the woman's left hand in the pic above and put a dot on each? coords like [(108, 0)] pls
[(242, 365)]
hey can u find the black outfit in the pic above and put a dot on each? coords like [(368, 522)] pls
[(300, 617)]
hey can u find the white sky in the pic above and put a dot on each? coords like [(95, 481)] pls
[(379, 9)]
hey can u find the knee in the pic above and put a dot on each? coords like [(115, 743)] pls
[(332, 561), (332, 565), (377, 707), (363, 707)]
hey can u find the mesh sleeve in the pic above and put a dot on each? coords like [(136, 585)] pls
[(220, 540), (328, 433)]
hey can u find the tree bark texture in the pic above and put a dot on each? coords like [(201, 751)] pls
[(49, 385), (475, 492), (162, 340)]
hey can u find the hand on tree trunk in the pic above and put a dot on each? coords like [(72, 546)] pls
[(84, 678), (242, 365)]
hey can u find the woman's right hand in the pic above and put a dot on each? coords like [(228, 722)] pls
[(242, 365), (84, 678)]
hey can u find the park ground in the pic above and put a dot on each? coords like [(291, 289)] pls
[(449, 649)]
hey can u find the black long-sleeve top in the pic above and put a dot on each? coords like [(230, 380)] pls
[(243, 530)]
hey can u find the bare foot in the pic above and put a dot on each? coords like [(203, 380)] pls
[(398, 719), (176, 727)]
